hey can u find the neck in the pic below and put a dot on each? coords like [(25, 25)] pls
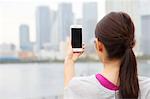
[(111, 71)]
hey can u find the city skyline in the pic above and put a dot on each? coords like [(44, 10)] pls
[(57, 22), (50, 25), (53, 27), (11, 20)]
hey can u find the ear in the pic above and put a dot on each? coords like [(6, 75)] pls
[(99, 46)]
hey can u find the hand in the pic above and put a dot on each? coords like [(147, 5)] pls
[(73, 56), (69, 69)]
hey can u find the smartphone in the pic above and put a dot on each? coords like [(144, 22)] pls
[(76, 38)]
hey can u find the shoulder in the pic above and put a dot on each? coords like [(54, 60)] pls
[(80, 82), (144, 83), (86, 88), (81, 86)]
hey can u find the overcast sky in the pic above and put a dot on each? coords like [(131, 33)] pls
[(16, 12)]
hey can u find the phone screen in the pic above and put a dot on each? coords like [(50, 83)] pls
[(76, 37)]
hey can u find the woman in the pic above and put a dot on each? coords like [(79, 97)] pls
[(114, 42)]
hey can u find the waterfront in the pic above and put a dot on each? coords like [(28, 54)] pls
[(45, 80)]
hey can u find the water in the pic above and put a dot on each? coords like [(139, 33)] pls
[(30, 81), (44, 81)]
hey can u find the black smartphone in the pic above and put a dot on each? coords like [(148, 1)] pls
[(76, 38)]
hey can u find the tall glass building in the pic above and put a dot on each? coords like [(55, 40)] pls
[(43, 26), (145, 27), (89, 20), (25, 44), (65, 19)]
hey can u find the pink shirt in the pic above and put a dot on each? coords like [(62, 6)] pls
[(106, 83)]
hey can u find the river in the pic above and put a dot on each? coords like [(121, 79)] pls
[(45, 80)]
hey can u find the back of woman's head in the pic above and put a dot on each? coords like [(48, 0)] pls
[(116, 32)]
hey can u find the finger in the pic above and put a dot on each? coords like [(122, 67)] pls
[(69, 42), (83, 43), (83, 46), (77, 54)]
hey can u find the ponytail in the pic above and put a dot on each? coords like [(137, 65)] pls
[(129, 86)]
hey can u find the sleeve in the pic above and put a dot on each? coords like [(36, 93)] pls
[(144, 87), (71, 91), (148, 95), (147, 90)]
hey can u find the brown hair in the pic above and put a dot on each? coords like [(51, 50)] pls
[(116, 32)]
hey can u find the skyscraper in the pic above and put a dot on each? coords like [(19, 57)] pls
[(65, 19), (55, 32), (145, 27), (89, 20), (25, 44), (43, 26)]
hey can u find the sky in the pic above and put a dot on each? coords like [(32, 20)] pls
[(16, 12)]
